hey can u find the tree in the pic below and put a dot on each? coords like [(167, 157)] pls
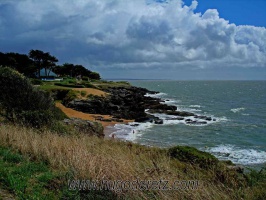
[(49, 63), (94, 75), (43, 60), (22, 63), (37, 56)]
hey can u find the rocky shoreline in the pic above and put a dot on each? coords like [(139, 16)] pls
[(131, 102)]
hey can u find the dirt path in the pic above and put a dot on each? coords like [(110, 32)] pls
[(73, 113)]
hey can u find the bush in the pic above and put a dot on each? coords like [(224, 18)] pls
[(36, 119), (22, 102), (193, 156), (89, 85), (72, 81), (85, 78), (59, 94), (83, 93), (59, 114), (35, 81), (69, 85), (71, 95)]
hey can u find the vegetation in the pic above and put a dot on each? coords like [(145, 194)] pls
[(43, 60), (20, 101), (32, 64), (76, 70), (27, 178), (39, 163), (193, 156), (91, 158)]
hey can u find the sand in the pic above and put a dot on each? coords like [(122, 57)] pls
[(76, 114)]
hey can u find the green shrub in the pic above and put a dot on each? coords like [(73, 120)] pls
[(36, 119), (60, 128), (35, 81), (193, 156), (22, 102), (89, 85), (59, 114), (71, 95), (72, 81), (83, 93), (69, 85), (59, 94)]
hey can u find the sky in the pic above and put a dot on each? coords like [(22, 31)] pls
[(143, 39)]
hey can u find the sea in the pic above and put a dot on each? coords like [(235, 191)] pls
[(238, 107)]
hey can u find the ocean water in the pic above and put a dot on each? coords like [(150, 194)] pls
[(239, 107)]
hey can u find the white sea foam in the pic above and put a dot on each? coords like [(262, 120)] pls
[(195, 106), (238, 155), (155, 95), (130, 131), (236, 110)]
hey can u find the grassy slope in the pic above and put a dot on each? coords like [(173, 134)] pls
[(96, 159)]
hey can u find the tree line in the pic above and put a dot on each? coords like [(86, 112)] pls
[(31, 65)]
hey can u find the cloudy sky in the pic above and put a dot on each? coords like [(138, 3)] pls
[(146, 39)]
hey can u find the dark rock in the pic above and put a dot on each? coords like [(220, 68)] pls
[(98, 118), (134, 125), (158, 121), (176, 118), (162, 107), (144, 119), (106, 120), (180, 113), (204, 117)]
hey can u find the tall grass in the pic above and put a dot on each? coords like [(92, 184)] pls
[(96, 159)]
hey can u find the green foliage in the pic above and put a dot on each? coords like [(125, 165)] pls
[(20, 62), (35, 118), (95, 76), (35, 81), (71, 95), (70, 85), (22, 102), (30, 179), (58, 93), (85, 78), (43, 60), (83, 93), (254, 177), (89, 85), (59, 114), (193, 156), (60, 128)]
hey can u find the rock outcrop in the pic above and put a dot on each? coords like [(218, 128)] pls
[(86, 127), (130, 103)]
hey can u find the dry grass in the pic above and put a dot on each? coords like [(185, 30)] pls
[(97, 159), (91, 91)]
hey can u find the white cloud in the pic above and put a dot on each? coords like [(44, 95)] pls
[(132, 33)]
